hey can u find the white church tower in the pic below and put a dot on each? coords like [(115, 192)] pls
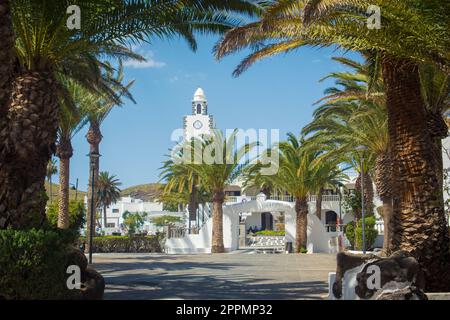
[(199, 122)]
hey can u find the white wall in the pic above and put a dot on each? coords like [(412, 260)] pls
[(253, 220), (318, 239), (153, 209)]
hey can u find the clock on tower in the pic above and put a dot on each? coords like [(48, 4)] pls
[(199, 122)]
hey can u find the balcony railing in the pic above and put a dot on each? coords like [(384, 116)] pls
[(313, 198)]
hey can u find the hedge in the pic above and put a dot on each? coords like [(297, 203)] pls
[(270, 233), (135, 244), (33, 264)]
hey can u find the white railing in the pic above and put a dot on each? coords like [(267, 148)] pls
[(325, 197), (178, 232), (312, 198)]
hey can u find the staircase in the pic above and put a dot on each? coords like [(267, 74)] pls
[(194, 239)]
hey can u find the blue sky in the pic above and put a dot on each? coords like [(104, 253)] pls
[(276, 93)]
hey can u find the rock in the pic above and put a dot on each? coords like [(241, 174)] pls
[(93, 285), (401, 278), (347, 261), (77, 257), (399, 291)]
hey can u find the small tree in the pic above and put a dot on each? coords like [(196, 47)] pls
[(355, 235), (166, 221), (133, 221), (51, 170)]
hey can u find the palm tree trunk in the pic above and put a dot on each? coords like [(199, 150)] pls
[(64, 151), (319, 204), (105, 218), (301, 234), (217, 222), (383, 184), (387, 219), (418, 220), (193, 202), (6, 67), (368, 193), (94, 137), (33, 120)]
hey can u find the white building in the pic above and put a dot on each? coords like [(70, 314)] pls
[(199, 122), (115, 212)]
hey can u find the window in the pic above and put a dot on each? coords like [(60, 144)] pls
[(111, 225), (199, 108), (115, 210)]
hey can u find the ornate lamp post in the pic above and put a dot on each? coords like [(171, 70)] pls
[(93, 156), (363, 211)]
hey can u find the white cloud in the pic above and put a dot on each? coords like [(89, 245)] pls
[(150, 62)]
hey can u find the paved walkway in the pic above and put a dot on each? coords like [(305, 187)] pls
[(238, 275)]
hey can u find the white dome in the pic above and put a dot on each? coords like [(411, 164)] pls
[(199, 95)]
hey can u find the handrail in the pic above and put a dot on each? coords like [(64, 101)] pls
[(287, 198)]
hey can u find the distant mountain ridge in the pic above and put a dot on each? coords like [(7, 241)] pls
[(147, 192)]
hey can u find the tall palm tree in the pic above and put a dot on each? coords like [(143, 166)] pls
[(97, 113), (296, 175), (52, 169), (253, 178), (181, 181), (413, 32), (6, 63), (328, 175), (214, 176), (108, 192), (46, 48), (71, 121)]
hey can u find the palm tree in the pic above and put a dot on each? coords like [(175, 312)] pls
[(214, 175), (52, 169), (328, 175), (413, 32), (253, 178), (108, 192), (98, 112), (72, 120), (366, 122), (182, 183), (6, 65), (296, 175), (45, 48)]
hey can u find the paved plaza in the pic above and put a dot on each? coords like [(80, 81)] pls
[(238, 275)]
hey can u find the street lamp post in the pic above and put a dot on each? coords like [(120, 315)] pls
[(363, 211), (93, 156), (340, 226)]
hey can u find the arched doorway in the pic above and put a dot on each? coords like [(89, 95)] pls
[(266, 221), (331, 221)]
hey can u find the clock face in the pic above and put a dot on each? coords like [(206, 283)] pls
[(198, 124)]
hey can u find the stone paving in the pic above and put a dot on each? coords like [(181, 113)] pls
[(238, 275)]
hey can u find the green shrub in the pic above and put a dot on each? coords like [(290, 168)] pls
[(370, 231), (302, 250), (109, 244), (77, 215), (270, 233), (33, 264)]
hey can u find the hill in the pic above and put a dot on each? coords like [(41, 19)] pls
[(55, 192), (146, 192)]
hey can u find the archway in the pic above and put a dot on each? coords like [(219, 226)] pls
[(331, 221), (266, 221)]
